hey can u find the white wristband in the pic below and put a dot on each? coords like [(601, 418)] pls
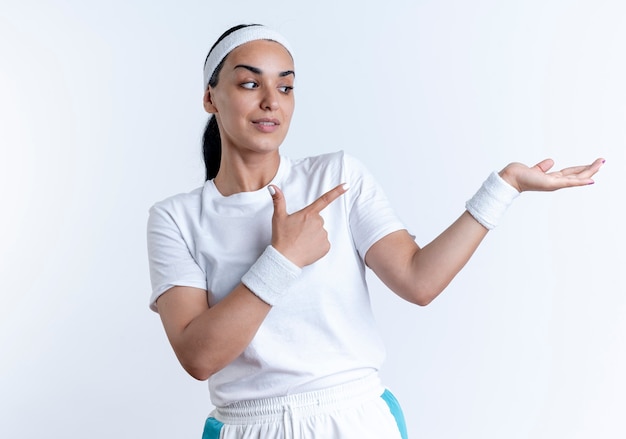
[(271, 275), (493, 198)]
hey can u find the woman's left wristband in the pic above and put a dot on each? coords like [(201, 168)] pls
[(491, 201)]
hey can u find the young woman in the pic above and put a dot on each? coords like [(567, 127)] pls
[(259, 275)]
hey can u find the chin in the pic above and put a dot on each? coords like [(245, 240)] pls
[(269, 145)]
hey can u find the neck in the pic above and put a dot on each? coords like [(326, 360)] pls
[(246, 174)]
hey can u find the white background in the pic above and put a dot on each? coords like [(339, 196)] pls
[(101, 116)]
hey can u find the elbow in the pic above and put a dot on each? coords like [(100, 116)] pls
[(198, 372), (421, 299), (421, 295), (200, 375), (427, 290), (199, 368), (202, 364)]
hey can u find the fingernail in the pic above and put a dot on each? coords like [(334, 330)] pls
[(272, 190), (591, 182), (345, 186)]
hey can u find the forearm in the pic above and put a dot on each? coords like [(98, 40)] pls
[(435, 265), (210, 340)]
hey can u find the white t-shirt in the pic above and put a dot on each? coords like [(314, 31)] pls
[(322, 332)]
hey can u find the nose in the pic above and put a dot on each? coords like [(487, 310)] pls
[(270, 99)]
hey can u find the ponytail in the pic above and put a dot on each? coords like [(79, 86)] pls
[(211, 148), (211, 141)]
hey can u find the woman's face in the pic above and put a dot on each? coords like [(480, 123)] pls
[(253, 100)]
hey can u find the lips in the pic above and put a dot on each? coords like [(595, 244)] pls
[(266, 125), (266, 122)]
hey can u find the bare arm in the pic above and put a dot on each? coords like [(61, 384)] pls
[(421, 274), (417, 274), (206, 339)]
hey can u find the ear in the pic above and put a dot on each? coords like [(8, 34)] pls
[(208, 102)]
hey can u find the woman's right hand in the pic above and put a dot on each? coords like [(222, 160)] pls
[(300, 236)]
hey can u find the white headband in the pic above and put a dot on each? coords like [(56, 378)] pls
[(236, 39)]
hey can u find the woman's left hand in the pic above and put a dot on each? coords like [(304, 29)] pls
[(537, 178)]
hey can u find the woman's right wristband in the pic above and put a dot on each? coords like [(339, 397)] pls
[(271, 275)]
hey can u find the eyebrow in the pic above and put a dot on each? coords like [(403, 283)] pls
[(258, 71)]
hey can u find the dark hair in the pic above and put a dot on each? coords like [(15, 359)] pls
[(211, 140)]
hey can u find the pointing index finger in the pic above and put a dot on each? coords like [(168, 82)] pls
[(322, 202)]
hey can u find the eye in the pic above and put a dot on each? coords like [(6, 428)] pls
[(250, 85), (286, 89)]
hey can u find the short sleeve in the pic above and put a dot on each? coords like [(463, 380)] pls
[(371, 216), (170, 260)]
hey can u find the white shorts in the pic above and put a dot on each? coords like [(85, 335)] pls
[(361, 409)]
